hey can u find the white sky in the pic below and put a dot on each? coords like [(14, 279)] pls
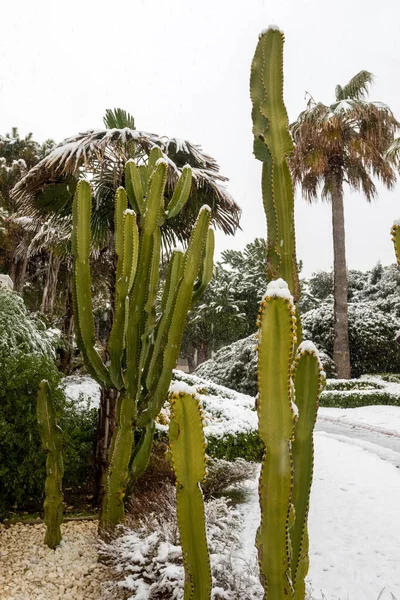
[(182, 69)]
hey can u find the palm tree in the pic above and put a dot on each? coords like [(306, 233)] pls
[(345, 142), (101, 155)]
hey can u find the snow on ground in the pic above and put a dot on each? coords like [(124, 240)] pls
[(354, 523), (82, 389), (385, 419)]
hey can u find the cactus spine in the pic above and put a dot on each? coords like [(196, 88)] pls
[(286, 473), (51, 436), (187, 446), (143, 346)]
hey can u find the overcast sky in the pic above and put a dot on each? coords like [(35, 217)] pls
[(182, 69)]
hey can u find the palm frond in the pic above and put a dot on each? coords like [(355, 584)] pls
[(118, 118), (357, 88), (93, 151)]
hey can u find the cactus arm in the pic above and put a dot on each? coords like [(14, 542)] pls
[(134, 186), (174, 274), (141, 456), (82, 206), (272, 145), (51, 436), (181, 192), (395, 232), (127, 239), (139, 294), (191, 268), (207, 266), (149, 308), (277, 322), (187, 447), (116, 476), (154, 155), (307, 378)]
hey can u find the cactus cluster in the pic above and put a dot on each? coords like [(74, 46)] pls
[(187, 447), (143, 346), (51, 436), (395, 233)]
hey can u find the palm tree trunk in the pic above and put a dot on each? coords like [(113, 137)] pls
[(50, 287), (341, 354)]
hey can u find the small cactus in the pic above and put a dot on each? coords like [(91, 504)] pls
[(51, 436), (187, 446)]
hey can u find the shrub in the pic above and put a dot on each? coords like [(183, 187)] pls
[(26, 357), (371, 336)]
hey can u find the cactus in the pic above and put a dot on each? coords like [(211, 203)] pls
[(308, 379), (395, 233), (272, 145), (143, 346), (276, 334), (286, 474), (51, 436), (187, 447)]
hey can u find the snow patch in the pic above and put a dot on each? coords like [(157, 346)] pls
[(278, 289)]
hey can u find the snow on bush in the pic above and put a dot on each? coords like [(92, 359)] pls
[(148, 561), (372, 333), (20, 332)]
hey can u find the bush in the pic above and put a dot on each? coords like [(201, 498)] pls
[(371, 336), (26, 357)]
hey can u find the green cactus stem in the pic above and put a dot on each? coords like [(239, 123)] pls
[(187, 446), (272, 145), (308, 379), (51, 436), (276, 340), (143, 346), (395, 232)]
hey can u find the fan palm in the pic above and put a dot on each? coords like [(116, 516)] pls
[(345, 142), (101, 156)]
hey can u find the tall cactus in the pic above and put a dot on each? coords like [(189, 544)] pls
[(187, 446), (277, 330), (143, 346), (272, 145), (51, 436), (286, 474)]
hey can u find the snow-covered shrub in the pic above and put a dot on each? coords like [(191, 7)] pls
[(148, 560), (371, 336), (26, 357), (223, 474), (234, 366)]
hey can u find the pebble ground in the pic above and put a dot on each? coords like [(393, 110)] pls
[(29, 570)]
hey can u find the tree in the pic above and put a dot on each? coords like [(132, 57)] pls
[(343, 143), (17, 156)]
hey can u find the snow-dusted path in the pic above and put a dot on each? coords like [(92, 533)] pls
[(354, 521)]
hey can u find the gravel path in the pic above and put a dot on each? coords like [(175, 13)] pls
[(29, 570)]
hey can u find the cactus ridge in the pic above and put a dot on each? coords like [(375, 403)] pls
[(277, 337), (187, 447), (308, 380), (272, 145), (51, 437), (143, 346)]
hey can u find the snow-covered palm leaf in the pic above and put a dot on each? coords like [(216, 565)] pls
[(101, 155), (357, 88)]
